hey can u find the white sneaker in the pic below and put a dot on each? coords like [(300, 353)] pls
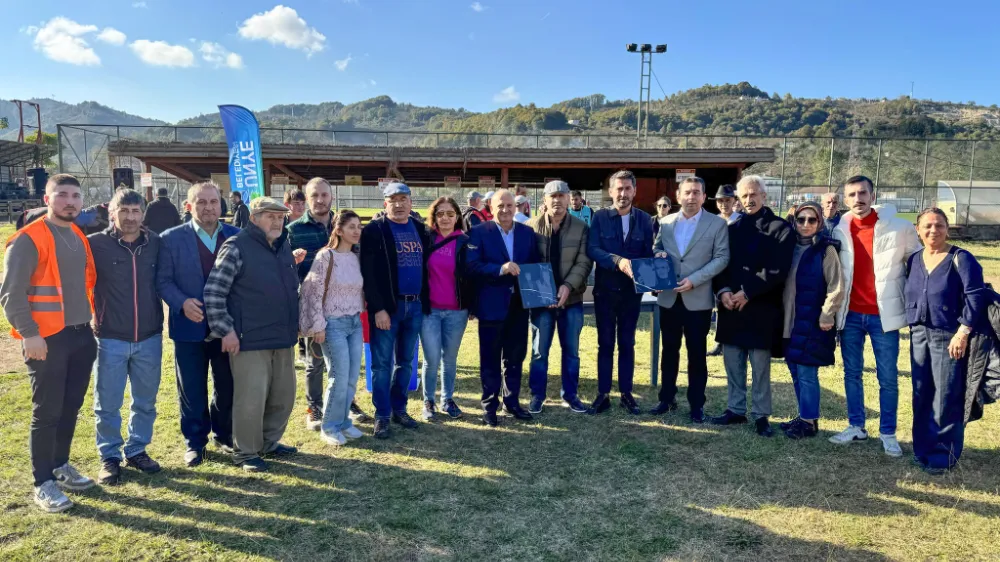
[(68, 478), (352, 433), (51, 499), (336, 438), (891, 445), (849, 435), (313, 424)]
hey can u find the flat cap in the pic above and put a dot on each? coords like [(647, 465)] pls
[(474, 195), (266, 204), (556, 186), (396, 188), (725, 191)]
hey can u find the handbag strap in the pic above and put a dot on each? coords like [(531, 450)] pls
[(326, 284)]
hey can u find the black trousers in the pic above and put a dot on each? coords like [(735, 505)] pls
[(617, 315), (675, 322), (199, 417), (503, 344), (58, 387), (315, 376)]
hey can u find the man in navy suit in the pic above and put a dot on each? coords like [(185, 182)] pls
[(617, 236), (187, 254), (495, 250)]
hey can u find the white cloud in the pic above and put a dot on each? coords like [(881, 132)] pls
[(61, 39), (506, 95), (477, 7), (342, 63), (219, 56), (112, 36), (282, 25), (373, 83), (161, 53), (139, 5)]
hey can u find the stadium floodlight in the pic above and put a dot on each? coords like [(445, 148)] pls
[(645, 79), (646, 47), (661, 48), (631, 47)]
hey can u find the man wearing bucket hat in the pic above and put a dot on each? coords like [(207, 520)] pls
[(392, 265), (252, 304)]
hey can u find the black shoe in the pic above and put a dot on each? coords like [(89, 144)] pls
[(404, 419), (763, 427), (801, 429), (142, 462), (255, 464), (111, 472), (452, 409), (663, 408), (358, 415), (602, 403), (194, 457), (728, 418), (535, 406), (517, 411), (628, 402), (575, 405), (224, 447), (490, 418), (785, 426), (717, 350), (381, 428), (698, 416), (282, 450)]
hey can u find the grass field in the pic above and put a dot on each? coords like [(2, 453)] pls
[(566, 486)]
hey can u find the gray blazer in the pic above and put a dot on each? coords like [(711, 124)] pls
[(706, 256)]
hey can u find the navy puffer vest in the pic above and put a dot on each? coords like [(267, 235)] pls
[(808, 344)]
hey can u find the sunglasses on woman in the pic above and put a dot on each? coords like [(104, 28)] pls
[(806, 220)]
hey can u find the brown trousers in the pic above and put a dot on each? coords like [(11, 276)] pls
[(263, 399)]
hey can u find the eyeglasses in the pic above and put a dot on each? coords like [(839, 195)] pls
[(806, 220), (442, 214), (662, 206)]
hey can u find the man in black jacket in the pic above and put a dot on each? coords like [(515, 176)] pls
[(241, 214), (128, 323), (161, 213), (392, 264), (751, 317)]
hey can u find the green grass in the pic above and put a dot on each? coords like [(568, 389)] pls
[(564, 487)]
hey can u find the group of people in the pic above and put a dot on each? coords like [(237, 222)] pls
[(239, 299)]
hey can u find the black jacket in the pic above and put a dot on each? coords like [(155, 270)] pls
[(760, 255), (161, 215), (241, 215), (465, 290), (982, 379), (126, 304), (379, 266)]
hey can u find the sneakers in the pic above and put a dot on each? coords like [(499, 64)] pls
[(142, 462), (452, 409), (381, 428), (352, 433), (536, 404), (849, 435), (575, 405), (194, 457), (358, 415), (405, 420), (891, 445), (801, 429), (111, 472), (789, 424), (255, 464), (51, 499), (336, 438), (68, 478), (429, 409), (314, 420)]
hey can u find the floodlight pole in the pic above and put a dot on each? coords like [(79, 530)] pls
[(645, 85)]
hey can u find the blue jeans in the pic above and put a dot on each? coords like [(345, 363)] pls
[(544, 322), (118, 362), (441, 336), (938, 398), (805, 379), (342, 350), (852, 349), (392, 358)]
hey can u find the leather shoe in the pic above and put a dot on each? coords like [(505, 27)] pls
[(698, 416), (517, 411), (663, 408), (282, 450), (728, 418), (763, 427), (194, 457), (381, 428), (490, 418), (602, 403), (628, 402)]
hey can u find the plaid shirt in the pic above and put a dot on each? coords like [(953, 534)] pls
[(308, 234), (227, 263)]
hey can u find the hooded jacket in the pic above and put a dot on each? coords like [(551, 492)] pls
[(126, 304)]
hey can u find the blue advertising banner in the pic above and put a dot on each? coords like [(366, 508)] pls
[(245, 162)]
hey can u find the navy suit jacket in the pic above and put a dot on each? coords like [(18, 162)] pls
[(179, 277), (606, 246), (486, 253)]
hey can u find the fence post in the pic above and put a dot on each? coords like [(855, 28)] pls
[(59, 138), (175, 134), (923, 176), (972, 170), (878, 166), (829, 177), (784, 151)]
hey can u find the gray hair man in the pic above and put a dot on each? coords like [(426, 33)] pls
[(697, 244), (562, 241), (831, 211), (521, 203), (252, 303)]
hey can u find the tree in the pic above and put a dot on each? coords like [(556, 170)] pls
[(3, 123), (50, 147)]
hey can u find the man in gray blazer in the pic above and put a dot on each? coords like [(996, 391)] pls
[(697, 243)]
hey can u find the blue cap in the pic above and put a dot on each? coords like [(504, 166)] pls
[(396, 189)]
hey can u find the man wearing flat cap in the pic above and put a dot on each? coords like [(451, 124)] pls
[(392, 265), (562, 241), (252, 303)]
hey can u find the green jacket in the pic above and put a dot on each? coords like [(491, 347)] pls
[(574, 265)]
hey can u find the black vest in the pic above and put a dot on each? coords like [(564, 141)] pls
[(264, 299)]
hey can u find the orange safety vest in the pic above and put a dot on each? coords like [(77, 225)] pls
[(45, 292)]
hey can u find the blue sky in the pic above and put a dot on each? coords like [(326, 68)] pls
[(171, 59)]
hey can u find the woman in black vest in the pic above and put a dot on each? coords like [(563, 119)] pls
[(813, 293)]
